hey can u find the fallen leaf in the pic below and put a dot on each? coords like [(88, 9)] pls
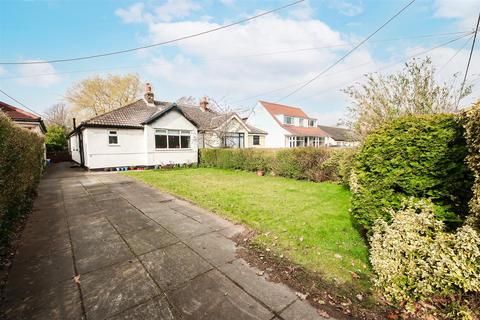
[(392, 316), (338, 256), (76, 279), (260, 273), (355, 276), (301, 239), (301, 295), (268, 249), (323, 313), (359, 297), (281, 256)]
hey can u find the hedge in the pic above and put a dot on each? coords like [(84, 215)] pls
[(413, 156), (21, 164), (472, 133), (414, 259), (315, 164)]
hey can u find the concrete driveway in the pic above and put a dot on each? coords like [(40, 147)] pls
[(101, 245)]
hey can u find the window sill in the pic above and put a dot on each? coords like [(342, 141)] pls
[(113, 145), (178, 149)]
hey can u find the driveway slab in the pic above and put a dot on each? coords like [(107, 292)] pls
[(105, 246), (149, 239), (174, 265), (111, 290), (213, 296), (275, 295)]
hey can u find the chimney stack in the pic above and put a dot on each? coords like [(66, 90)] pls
[(204, 104), (149, 98), (74, 124)]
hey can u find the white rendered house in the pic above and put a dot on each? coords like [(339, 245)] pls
[(287, 127), (149, 133)]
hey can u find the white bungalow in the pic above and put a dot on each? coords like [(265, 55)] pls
[(148, 133)]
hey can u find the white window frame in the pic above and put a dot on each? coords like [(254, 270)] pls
[(114, 134), (287, 122), (181, 133)]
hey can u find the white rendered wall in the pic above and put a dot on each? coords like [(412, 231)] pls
[(130, 150), (174, 121), (263, 120)]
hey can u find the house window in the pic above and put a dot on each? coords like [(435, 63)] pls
[(296, 142), (234, 140), (112, 137), (256, 140), (172, 139), (288, 120), (300, 122), (311, 123)]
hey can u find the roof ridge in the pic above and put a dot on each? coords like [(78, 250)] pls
[(279, 104), (106, 113)]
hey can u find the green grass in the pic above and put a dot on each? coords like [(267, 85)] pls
[(307, 222)]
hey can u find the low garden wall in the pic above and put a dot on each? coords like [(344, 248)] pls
[(21, 165)]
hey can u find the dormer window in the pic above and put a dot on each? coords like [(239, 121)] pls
[(311, 123), (288, 120), (300, 122)]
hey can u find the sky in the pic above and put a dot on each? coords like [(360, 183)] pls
[(263, 59)]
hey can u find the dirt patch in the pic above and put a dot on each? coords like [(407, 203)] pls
[(331, 299)]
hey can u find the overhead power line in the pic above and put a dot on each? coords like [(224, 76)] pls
[(468, 63), (23, 105), (241, 56), (456, 53), (159, 43), (333, 74), (348, 53), (382, 68)]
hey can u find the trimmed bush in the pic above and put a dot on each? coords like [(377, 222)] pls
[(21, 164), (315, 164), (472, 132), (415, 259), (413, 156)]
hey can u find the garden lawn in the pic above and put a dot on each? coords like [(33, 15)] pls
[(307, 222)]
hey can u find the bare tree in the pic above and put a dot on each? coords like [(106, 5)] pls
[(97, 95), (58, 114), (414, 90), (225, 124), (187, 100)]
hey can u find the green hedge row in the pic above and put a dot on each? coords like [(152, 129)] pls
[(413, 156), (315, 164), (472, 132), (21, 164)]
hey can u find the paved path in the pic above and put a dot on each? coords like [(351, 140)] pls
[(101, 245)]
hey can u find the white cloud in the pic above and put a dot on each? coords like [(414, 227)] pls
[(38, 75), (465, 11), (167, 12), (347, 8), (133, 14), (176, 9), (221, 63), (303, 11)]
